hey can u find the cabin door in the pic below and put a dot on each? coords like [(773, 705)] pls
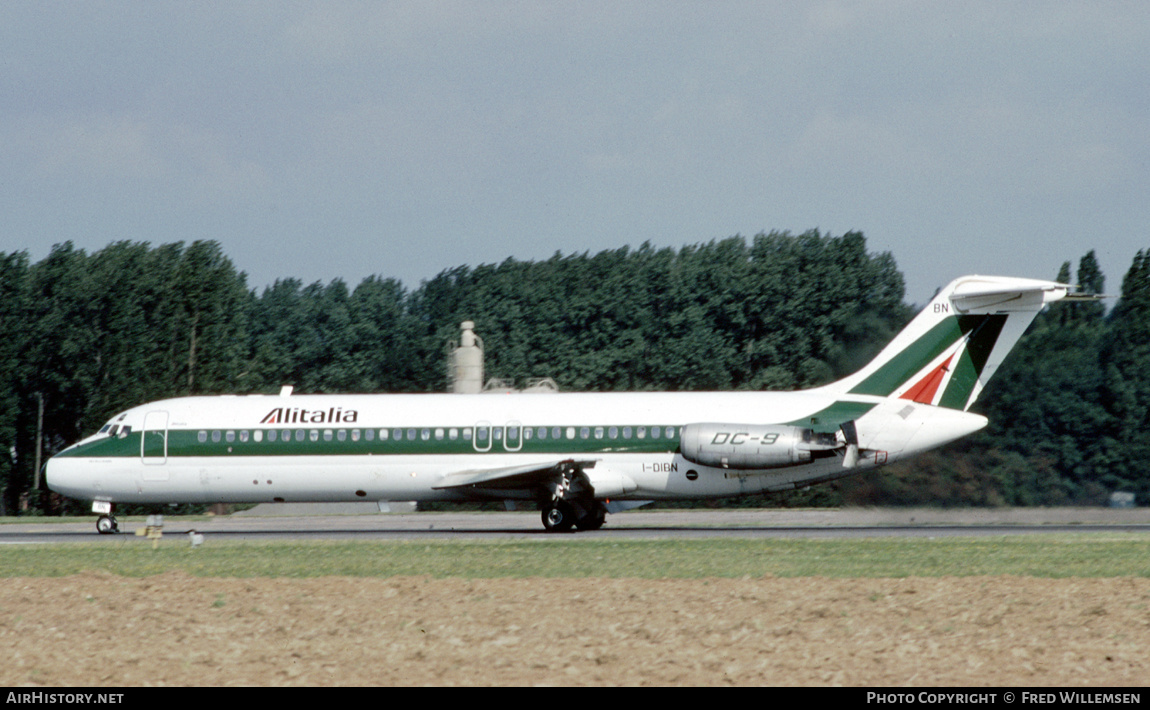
[(154, 446), (513, 436)]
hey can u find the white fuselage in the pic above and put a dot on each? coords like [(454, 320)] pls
[(569, 451), (400, 447)]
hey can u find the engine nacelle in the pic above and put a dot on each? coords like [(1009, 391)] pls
[(753, 446)]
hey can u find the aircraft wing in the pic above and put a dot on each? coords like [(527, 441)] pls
[(524, 476)]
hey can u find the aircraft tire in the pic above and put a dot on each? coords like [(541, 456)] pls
[(558, 517), (106, 525), (593, 520)]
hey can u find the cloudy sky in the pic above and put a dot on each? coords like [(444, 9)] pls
[(342, 139)]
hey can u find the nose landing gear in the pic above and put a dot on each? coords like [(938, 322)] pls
[(106, 525)]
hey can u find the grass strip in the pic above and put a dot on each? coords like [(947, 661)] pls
[(1041, 555)]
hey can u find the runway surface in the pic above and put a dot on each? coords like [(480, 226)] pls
[(287, 524)]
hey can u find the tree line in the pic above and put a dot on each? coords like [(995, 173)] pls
[(89, 335)]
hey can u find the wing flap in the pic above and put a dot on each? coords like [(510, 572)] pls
[(510, 476)]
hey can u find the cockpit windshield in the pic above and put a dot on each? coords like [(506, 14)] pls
[(112, 429)]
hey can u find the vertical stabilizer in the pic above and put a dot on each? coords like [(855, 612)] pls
[(948, 353)]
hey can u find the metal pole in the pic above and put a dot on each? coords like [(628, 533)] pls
[(39, 436)]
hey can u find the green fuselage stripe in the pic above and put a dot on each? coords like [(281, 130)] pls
[(828, 420), (355, 442)]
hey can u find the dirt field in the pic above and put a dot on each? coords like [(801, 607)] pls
[(173, 629)]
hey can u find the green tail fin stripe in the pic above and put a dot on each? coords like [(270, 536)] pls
[(970, 365), (982, 332)]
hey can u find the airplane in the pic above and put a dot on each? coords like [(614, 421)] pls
[(577, 456)]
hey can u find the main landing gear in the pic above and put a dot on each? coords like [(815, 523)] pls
[(561, 515), (570, 500)]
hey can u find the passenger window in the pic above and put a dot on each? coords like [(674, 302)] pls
[(327, 434), (626, 432), (215, 437), (341, 435), (355, 434), (598, 432), (613, 432), (370, 434), (244, 436), (202, 437)]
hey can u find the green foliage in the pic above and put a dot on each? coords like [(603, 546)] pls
[(92, 335), (1125, 364), (781, 312), (960, 476), (13, 301), (1068, 416)]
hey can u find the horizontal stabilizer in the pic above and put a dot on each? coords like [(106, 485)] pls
[(979, 294)]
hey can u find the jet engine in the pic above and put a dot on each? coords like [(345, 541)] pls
[(754, 446)]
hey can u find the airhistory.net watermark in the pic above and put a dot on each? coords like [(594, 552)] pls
[(40, 697)]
